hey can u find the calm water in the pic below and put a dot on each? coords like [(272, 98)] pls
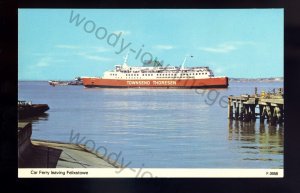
[(158, 127)]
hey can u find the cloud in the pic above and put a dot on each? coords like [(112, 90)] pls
[(124, 32), (44, 62), (47, 61), (90, 49), (164, 47), (222, 48), (93, 57), (99, 49), (67, 46), (226, 47), (219, 70)]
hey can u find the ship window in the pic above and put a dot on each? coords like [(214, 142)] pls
[(205, 72)]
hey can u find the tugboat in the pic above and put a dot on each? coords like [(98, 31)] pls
[(77, 81), (27, 109)]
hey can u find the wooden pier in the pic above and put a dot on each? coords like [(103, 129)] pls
[(270, 105)]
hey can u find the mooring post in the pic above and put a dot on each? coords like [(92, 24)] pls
[(261, 109), (269, 113), (280, 115), (246, 114), (237, 110), (242, 111), (229, 108), (252, 107), (275, 118), (280, 91)]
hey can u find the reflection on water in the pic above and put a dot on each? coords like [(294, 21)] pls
[(35, 119), (257, 141)]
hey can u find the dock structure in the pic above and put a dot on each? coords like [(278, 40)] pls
[(51, 154), (270, 105)]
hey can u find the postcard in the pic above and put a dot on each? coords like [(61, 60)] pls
[(146, 93)]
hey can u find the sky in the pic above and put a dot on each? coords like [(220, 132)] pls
[(61, 44)]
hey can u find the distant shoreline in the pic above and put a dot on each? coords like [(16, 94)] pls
[(276, 79)]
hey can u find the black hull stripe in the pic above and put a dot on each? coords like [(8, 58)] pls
[(168, 87)]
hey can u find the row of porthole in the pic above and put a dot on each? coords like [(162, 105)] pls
[(160, 74), (141, 77)]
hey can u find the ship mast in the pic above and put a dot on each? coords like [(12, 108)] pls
[(182, 65), (125, 61)]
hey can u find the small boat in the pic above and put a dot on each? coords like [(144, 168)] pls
[(77, 81), (27, 109)]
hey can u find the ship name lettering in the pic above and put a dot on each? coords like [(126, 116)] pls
[(138, 82), (164, 82)]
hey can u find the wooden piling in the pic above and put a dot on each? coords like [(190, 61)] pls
[(230, 108)]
